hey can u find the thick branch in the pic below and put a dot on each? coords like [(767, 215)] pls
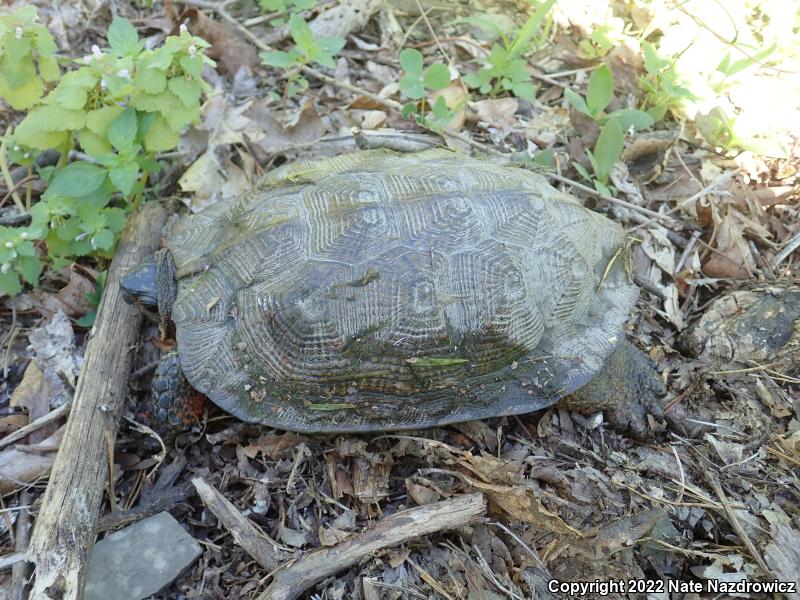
[(291, 580), (67, 522)]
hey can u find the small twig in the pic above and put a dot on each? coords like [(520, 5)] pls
[(290, 581), (737, 526), (585, 188), (709, 188), (36, 424), (258, 545), (790, 246), (7, 174), (680, 470), (17, 185)]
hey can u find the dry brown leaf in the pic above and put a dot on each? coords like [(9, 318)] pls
[(18, 467), (731, 256), (33, 395), (272, 444), (339, 20), (72, 298), (229, 49), (421, 494), (495, 112)]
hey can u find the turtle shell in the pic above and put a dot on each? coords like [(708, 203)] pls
[(379, 290)]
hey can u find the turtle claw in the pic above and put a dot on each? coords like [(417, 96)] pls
[(627, 389)]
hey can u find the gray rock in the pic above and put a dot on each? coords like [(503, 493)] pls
[(140, 560)]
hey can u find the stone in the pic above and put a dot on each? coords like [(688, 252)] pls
[(139, 560)]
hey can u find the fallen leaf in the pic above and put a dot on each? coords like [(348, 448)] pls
[(731, 256), (18, 467), (228, 48), (495, 112), (72, 298), (338, 21), (455, 96)]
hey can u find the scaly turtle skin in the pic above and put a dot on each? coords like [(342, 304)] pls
[(378, 290)]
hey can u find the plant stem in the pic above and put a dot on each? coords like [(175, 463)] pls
[(7, 174)]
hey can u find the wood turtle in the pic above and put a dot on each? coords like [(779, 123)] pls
[(380, 290)]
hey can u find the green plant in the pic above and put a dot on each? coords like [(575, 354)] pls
[(599, 94), (415, 81), (603, 39), (279, 8), (27, 58), (306, 51), (661, 84), (607, 151), (94, 297), (120, 107), (505, 69), (611, 140)]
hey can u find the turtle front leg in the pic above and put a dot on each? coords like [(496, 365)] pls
[(175, 402), (627, 389)]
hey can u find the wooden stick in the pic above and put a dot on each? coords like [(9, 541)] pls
[(67, 523), (291, 580), (53, 415), (244, 532)]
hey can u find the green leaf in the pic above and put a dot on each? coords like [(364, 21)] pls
[(87, 320), (188, 91), (440, 109), (436, 77), (30, 268), (524, 90), (411, 60), (22, 97), (608, 149), (68, 96), (77, 179), (631, 117), (151, 81), (103, 239), (99, 121), (331, 45), (529, 29), (9, 283), (301, 33), (600, 91), (577, 102), (122, 37), (124, 177), (93, 144), (411, 86), (472, 80), (122, 132), (278, 58), (582, 170), (159, 137), (410, 108)]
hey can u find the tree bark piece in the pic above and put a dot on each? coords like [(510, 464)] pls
[(244, 533), (290, 581), (67, 523)]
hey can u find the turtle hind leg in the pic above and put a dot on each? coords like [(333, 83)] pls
[(627, 389), (176, 404)]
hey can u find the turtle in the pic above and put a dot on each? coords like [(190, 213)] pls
[(381, 290)]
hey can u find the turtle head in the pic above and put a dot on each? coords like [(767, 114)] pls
[(139, 284), (152, 283)]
